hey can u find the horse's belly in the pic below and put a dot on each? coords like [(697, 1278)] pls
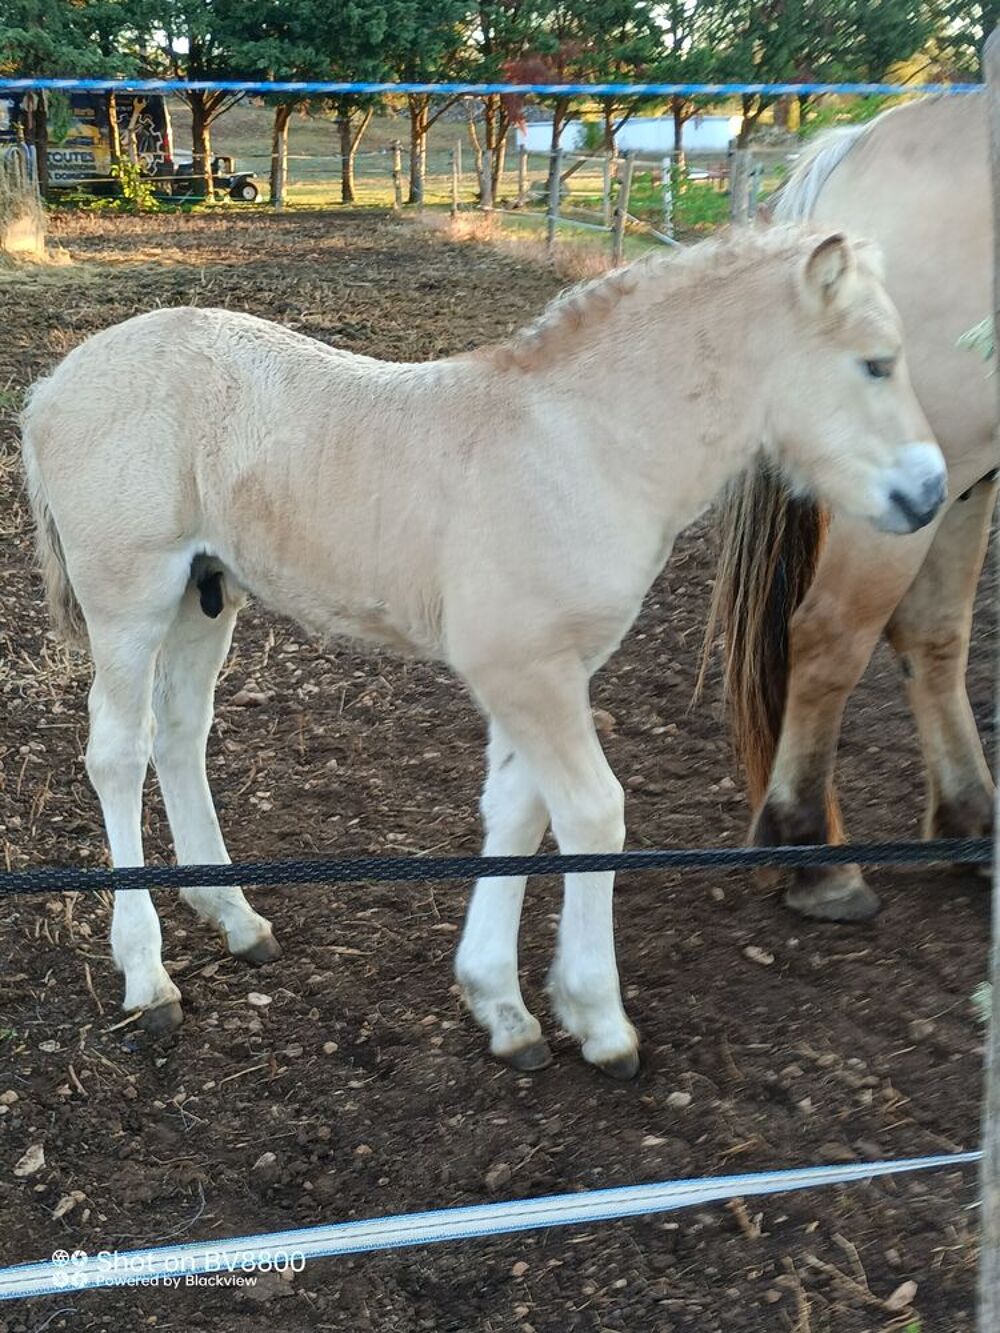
[(324, 567)]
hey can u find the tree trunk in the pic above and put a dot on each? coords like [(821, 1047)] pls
[(560, 116), (279, 154), (40, 127), (201, 147), (419, 104), (753, 109), (499, 160), (114, 130), (783, 112), (346, 155), (609, 128), (680, 118), (477, 147)]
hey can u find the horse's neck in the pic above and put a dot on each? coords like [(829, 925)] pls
[(673, 393)]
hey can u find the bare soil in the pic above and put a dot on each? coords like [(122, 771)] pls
[(363, 1075)]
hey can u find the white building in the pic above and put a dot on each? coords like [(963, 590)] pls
[(643, 134)]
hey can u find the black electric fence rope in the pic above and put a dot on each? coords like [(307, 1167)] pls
[(417, 869)]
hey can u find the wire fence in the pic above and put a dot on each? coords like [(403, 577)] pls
[(289, 1250), (424, 869)]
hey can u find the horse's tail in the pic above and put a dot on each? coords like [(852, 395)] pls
[(64, 609), (770, 543)]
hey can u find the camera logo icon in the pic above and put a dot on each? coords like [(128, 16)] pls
[(76, 1277)]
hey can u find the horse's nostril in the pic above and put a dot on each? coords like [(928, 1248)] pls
[(917, 514)]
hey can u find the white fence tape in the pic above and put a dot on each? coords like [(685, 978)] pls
[(243, 1255)]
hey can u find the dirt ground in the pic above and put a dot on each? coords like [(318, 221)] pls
[(363, 1076)]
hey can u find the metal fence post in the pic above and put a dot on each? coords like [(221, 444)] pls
[(621, 209), (988, 1320), (555, 184)]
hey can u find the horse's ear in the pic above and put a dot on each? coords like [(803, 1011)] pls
[(828, 268)]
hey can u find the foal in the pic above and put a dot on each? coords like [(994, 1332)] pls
[(504, 512)]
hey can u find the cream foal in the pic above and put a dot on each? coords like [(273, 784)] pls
[(504, 512)]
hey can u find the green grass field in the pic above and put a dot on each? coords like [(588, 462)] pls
[(314, 172)]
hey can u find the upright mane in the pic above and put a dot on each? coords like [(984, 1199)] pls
[(577, 310)]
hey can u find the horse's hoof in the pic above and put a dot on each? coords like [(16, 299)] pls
[(622, 1067), (829, 900), (265, 950), (162, 1018), (528, 1059)]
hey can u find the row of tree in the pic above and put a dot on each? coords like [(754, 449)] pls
[(677, 41)]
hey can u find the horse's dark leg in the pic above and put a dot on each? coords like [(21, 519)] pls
[(860, 579), (930, 632)]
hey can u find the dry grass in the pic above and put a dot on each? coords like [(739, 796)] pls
[(574, 261)]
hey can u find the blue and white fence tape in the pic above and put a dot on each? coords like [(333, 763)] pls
[(319, 87), (242, 1256)]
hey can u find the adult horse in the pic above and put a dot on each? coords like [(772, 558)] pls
[(803, 595), (504, 512)]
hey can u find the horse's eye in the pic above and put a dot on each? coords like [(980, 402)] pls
[(880, 368)]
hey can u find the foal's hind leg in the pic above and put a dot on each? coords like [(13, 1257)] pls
[(515, 817), (186, 671), (118, 750), (930, 631), (545, 710)]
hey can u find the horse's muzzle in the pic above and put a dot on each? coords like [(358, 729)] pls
[(916, 490)]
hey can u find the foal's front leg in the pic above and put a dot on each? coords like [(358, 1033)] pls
[(544, 708), (515, 817)]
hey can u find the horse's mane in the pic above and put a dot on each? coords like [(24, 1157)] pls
[(654, 277), (796, 197)]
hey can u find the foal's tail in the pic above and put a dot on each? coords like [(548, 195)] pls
[(770, 543), (64, 609)]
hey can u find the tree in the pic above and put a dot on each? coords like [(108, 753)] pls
[(961, 30), (501, 32), (593, 41), (193, 40), (630, 53), (286, 46), (429, 45), (821, 41), (354, 38), (50, 38), (687, 55)]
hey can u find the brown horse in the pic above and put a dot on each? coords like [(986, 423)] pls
[(804, 596)]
